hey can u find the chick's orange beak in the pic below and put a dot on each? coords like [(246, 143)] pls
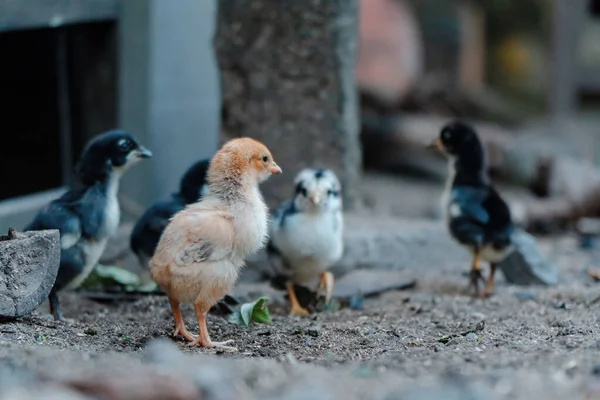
[(315, 199), (275, 169), (436, 144)]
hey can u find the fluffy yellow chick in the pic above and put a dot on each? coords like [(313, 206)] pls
[(201, 251)]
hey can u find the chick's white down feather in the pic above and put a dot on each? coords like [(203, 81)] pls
[(309, 235)]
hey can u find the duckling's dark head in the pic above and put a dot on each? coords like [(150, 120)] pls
[(459, 140)]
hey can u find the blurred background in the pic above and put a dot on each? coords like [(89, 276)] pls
[(526, 72)]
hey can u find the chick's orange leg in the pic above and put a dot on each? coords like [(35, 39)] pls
[(203, 339), (489, 284), (180, 328), (295, 307), (326, 282), (475, 274)]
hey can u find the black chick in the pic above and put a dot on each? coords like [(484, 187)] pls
[(149, 227), (88, 213), (477, 217), (147, 230)]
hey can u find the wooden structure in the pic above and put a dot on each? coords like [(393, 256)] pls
[(72, 69)]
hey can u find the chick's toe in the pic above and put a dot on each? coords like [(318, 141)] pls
[(295, 307), (326, 283), (180, 328)]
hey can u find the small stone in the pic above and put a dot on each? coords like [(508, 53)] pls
[(561, 306), (524, 295), (471, 336), (313, 331), (356, 302), (90, 331)]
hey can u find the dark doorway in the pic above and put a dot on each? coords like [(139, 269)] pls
[(57, 89)]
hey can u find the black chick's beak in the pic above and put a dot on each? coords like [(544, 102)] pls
[(436, 144), (144, 152)]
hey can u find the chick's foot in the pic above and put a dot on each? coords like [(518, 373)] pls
[(295, 307), (326, 283), (475, 275), (489, 284), (298, 310), (203, 339), (181, 330), (208, 344), (474, 278)]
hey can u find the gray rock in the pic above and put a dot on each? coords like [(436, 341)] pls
[(382, 242), (368, 282), (402, 244), (526, 265), (395, 243), (287, 79), (29, 263)]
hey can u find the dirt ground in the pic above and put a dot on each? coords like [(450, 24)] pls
[(521, 343), (426, 331)]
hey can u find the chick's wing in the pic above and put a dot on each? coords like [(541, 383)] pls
[(194, 237), (56, 216)]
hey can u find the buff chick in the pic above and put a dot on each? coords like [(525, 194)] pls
[(203, 248)]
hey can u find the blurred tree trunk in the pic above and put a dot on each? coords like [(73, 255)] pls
[(287, 79)]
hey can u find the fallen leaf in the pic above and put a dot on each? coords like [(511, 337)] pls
[(252, 312), (117, 274)]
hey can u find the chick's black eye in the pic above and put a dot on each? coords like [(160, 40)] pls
[(332, 193), (265, 158), (301, 190), (123, 144)]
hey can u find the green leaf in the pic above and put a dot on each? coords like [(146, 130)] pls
[(236, 318), (252, 312), (246, 312), (117, 274)]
